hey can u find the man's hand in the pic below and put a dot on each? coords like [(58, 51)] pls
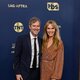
[(19, 77)]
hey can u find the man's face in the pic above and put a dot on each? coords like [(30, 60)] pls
[(35, 28)]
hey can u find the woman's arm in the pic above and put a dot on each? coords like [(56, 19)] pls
[(57, 73)]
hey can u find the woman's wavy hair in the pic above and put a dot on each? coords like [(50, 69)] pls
[(56, 37)]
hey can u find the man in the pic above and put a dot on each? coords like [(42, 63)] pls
[(28, 52)]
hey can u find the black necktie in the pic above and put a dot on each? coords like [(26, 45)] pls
[(35, 54)]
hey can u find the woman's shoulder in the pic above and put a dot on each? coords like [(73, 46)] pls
[(60, 44)]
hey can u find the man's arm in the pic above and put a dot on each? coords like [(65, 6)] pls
[(17, 57)]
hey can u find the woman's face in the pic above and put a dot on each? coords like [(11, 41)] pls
[(50, 30)]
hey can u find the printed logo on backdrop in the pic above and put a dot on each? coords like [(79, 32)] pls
[(11, 5), (59, 26), (13, 48), (18, 27), (53, 6)]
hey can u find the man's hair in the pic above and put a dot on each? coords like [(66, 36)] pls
[(33, 20)]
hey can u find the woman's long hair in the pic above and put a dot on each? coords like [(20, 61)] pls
[(56, 37)]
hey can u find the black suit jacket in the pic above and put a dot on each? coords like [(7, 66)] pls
[(23, 55)]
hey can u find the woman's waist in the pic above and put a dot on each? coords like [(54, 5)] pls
[(46, 60)]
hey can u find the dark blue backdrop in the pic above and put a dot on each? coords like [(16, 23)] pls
[(77, 39), (67, 17)]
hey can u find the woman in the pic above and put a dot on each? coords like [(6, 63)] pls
[(52, 52)]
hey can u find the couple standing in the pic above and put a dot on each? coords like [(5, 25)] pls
[(36, 58)]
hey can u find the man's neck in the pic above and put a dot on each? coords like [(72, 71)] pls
[(35, 36)]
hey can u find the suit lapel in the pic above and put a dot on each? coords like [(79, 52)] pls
[(29, 42), (39, 40)]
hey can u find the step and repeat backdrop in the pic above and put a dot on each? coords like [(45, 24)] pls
[(76, 35), (14, 18)]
